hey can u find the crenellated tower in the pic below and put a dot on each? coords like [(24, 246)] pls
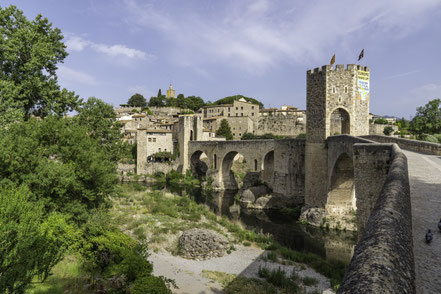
[(337, 102)]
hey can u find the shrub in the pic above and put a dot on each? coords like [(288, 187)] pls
[(428, 138), (150, 285), (388, 130), (381, 121)]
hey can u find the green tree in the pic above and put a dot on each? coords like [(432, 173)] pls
[(60, 162), (231, 99), (194, 102), (388, 130), (29, 54), (100, 120), (159, 93), (224, 130), (137, 100), (427, 119), (381, 121), (31, 242), (156, 101)]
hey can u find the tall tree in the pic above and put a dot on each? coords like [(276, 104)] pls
[(137, 100), (224, 130), (29, 54), (159, 93), (427, 119)]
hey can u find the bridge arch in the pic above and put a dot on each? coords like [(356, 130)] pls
[(339, 121), (199, 162), (268, 168), (341, 192), (227, 175)]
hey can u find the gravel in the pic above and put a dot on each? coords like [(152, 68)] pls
[(244, 261)]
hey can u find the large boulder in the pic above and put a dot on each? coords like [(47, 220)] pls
[(313, 216), (251, 194), (202, 244)]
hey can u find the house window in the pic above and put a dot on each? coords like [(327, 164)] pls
[(241, 114), (240, 134), (165, 149), (150, 139), (228, 109), (237, 108), (154, 139), (252, 107), (159, 149), (237, 114), (252, 113), (241, 108), (234, 134), (228, 114)]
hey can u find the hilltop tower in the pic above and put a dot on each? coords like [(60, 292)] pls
[(171, 93), (337, 102)]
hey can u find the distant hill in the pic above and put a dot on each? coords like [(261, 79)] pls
[(230, 100)]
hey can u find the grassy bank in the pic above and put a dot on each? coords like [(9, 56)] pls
[(156, 217)]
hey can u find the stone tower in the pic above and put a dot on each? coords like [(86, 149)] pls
[(171, 93), (190, 128), (337, 102)]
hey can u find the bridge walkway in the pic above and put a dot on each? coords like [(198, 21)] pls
[(425, 187)]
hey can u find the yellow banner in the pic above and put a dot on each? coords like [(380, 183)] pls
[(363, 85)]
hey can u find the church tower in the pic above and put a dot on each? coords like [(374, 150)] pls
[(171, 93)]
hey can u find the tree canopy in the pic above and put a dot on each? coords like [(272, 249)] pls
[(231, 99), (29, 54), (137, 100), (427, 119), (224, 130)]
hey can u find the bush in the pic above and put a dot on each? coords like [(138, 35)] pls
[(381, 121), (388, 130), (428, 138), (150, 285)]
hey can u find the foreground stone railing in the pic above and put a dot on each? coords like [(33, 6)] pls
[(383, 259), (407, 144)]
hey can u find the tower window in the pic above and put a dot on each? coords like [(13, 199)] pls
[(333, 90), (346, 89)]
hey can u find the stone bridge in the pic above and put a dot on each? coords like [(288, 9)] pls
[(279, 163)]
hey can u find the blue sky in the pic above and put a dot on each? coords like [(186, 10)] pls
[(259, 48)]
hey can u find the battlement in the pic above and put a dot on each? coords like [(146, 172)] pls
[(337, 67)]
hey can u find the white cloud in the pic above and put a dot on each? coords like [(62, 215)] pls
[(147, 93), (69, 75), (76, 43), (402, 74), (258, 35)]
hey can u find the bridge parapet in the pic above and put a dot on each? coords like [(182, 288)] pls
[(383, 260), (408, 144)]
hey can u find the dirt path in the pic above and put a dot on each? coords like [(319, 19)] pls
[(244, 261)]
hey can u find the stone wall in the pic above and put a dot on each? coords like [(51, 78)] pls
[(289, 169), (163, 167), (279, 125), (383, 259), (377, 129), (407, 144)]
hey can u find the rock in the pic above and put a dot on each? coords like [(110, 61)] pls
[(251, 194), (328, 291), (247, 197), (262, 202), (202, 244), (251, 179), (313, 216)]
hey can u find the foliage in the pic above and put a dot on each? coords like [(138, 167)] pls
[(100, 120), (402, 124), (157, 101), (278, 278), (231, 99), (163, 155), (30, 52), (428, 138), (381, 121), (267, 136), (150, 285), (427, 119), (32, 242), (388, 130), (62, 165), (301, 136), (224, 130), (137, 100)]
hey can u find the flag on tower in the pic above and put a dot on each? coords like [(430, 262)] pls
[(333, 60), (361, 55)]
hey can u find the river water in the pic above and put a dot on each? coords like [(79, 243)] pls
[(285, 229)]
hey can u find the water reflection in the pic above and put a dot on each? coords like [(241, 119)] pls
[(284, 228)]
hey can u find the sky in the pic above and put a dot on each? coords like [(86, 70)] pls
[(257, 48)]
